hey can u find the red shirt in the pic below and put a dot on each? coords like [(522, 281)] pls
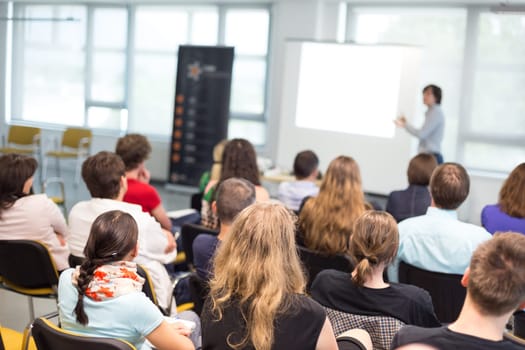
[(142, 194)]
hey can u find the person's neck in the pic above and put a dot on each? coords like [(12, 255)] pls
[(474, 323), (310, 178), (223, 231), (132, 174), (375, 281)]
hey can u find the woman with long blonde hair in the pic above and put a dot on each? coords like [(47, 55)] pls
[(326, 221), (257, 296)]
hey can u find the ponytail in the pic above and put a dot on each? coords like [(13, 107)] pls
[(363, 270), (83, 280)]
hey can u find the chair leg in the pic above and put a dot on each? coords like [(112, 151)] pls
[(57, 166), (31, 309)]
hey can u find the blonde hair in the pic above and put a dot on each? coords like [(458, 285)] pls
[(326, 221), (216, 168), (375, 241), (258, 267)]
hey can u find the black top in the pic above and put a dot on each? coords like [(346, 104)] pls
[(407, 303), (444, 339), (408, 203), (298, 328)]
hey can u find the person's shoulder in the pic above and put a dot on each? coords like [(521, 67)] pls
[(411, 292), (415, 334), (330, 275), (204, 240), (306, 304)]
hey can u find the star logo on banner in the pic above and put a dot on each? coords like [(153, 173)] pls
[(194, 71)]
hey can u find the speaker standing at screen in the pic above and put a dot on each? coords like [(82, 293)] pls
[(431, 133)]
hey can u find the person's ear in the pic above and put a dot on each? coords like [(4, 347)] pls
[(214, 207), (464, 279)]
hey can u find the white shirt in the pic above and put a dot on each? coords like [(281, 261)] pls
[(36, 217), (152, 240)]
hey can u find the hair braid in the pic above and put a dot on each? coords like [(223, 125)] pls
[(84, 278)]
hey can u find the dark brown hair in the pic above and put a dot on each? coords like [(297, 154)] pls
[(239, 160), (133, 149), (449, 185), (15, 170), (497, 274), (374, 241), (436, 91), (420, 169), (512, 193), (102, 173), (232, 196), (304, 164), (113, 235)]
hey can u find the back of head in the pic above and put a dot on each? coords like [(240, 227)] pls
[(420, 169), (374, 243), (102, 174), (304, 164), (112, 237), (512, 193), (232, 196), (239, 160), (496, 282), (436, 91), (15, 170), (449, 185), (257, 266), (328, 219), (133, 149)]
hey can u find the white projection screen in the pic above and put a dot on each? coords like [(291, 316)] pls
[(341, 99)]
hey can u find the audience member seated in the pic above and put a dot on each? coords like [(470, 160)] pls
[(30, 216), (364, 292), (305, 169), (257, 295), (134, 149), (414, 200), (495, 285), (232, 196), (103, 296), (438, 241), (104, 175), (238, 160), (210, 178), (509, 213), (326, 221)]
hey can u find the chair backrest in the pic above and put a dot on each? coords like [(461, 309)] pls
[(50, 337), (196, 201), (519, 324), (26, 264), (188, 234), (315, 262), (382, 329), (23, 135), (445, 289), (199, 290), (72, 138), (2, 347)]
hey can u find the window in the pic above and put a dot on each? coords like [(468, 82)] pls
[(48, 65), (114, 67), (478, 58)]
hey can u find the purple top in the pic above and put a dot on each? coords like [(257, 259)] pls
[(493, 219)]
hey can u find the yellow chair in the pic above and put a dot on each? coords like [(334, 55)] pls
[(22, 140), (13, 340), (27, 268), (48, 336), (57, 196), (75, 144)]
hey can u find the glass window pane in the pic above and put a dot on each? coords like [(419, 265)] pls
[(106, 118), (249, 77), (493, 157), (151, 105), (108, 76), (247, 30), (205, 27), (500, 38), (48, 75), (253, 131), (441, 35), (110, 28), (160, 28)]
